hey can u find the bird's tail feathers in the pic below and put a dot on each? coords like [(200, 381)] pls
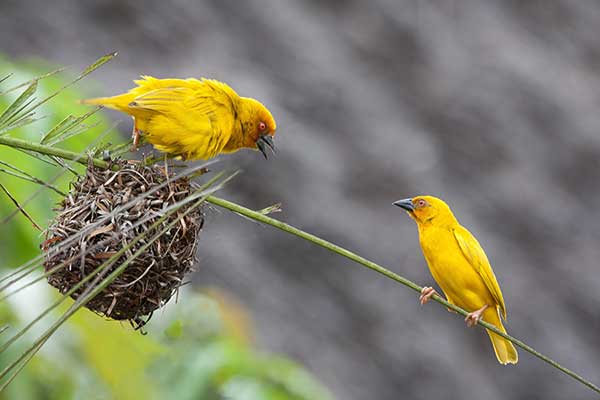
[(120, 102), (504, 349)]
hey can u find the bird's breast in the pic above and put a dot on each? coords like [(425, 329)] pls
[(450, 269)]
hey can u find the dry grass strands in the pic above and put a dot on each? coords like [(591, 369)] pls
[(155, 275)]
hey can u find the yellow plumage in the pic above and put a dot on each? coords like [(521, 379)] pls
[(193, 118), (460, 267)]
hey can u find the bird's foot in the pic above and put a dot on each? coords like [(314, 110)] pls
[(473, 317), (426, 294), (135, 135)]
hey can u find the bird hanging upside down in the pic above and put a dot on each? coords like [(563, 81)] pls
[(194, 119), (461, 268)]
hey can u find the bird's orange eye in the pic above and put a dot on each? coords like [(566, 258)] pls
[(262, 126), (421, 203)]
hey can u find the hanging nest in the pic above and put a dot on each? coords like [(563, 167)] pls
[(153, 277)]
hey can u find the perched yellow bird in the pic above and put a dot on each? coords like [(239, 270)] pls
[(194, 119), (461, 268)]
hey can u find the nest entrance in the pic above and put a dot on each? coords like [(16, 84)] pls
[(152, 278)]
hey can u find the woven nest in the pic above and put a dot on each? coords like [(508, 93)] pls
[(154, 276)]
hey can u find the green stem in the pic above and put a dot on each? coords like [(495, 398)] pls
[(50, 151), (53, 151)]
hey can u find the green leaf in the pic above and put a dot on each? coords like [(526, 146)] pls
[(58, 128), (10, 115), (68, 127), (101, 61), (18, 105), (29, 82), (23, 121)]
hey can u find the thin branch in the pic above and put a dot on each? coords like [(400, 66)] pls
[(49, 151), (19, 207), (19, 173)]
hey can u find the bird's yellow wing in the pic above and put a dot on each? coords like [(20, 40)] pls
[(206, 96), (174, 99), (474, 253), (192, 107), (188, 103), (161, 100)]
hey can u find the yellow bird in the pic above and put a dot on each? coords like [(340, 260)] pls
[(194, 119), (461, 268)]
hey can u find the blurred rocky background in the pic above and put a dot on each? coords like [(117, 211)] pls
[(493, 106)]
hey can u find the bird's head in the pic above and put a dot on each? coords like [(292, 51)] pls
[(259, 127), (427, 209)]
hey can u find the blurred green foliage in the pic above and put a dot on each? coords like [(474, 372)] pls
[(199, 348)]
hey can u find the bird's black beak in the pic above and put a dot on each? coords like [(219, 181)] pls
[(264, 142), (406, 204)]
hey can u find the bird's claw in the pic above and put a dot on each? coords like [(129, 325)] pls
[(473, 318), (135, 135), (426, 294)]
